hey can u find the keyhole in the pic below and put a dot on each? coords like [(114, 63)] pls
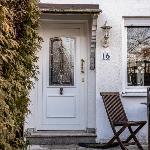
[(61, 91)]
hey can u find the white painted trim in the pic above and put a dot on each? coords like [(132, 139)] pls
[(138, 21), (65, 21), (88, 65), (130, 90), (124, 54), (82, 25), (134, 94)]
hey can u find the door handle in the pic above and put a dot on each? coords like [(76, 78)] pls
[(82, 66)]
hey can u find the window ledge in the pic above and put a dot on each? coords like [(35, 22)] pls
[(134, 94)]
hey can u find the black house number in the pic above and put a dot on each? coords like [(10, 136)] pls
[(106, 56)]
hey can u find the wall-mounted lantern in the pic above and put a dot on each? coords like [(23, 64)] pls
[(106, 28)]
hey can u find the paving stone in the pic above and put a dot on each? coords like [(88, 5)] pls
[(75, 147)]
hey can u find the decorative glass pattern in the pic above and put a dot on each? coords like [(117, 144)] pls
[(61, 61), (138, 56)]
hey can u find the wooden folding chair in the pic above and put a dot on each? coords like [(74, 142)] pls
[(117, 117)]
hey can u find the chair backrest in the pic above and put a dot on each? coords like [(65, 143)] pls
[(114, 107)]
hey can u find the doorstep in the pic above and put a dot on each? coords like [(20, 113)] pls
[(60, 137)]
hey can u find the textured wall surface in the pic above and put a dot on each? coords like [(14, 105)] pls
[(109, 74)]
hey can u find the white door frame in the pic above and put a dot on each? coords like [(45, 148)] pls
[(83, 25)]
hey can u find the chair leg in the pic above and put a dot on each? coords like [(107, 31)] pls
[(135, 138), (135, 132), (120, 142), (117, 133)]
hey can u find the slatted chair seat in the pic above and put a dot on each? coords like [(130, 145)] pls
[(117, 117), (133, 123)]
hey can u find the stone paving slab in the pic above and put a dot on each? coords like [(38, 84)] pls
[(75, 147)]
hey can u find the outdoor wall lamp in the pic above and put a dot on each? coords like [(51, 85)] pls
[(106, 29)]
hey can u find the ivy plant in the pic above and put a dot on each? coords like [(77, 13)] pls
[(19, 44)]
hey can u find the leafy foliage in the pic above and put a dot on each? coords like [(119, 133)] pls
[(19, 43)]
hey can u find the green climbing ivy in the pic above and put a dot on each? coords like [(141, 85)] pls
[(19, 44)]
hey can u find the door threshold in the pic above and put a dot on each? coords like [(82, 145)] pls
[(62, 133), (88, 130)]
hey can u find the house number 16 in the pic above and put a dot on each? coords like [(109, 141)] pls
[(105, 56)]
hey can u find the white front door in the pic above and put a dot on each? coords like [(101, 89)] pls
[(63, 105)]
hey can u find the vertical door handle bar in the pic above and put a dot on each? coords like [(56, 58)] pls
[(82, 66)]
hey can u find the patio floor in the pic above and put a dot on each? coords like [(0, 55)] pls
[(76, 147)]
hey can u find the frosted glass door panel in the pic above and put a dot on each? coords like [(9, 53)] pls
[(61, 62)]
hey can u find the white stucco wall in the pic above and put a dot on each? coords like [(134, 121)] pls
[(109, 75)]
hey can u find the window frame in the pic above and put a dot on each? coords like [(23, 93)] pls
[(131, 90)]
